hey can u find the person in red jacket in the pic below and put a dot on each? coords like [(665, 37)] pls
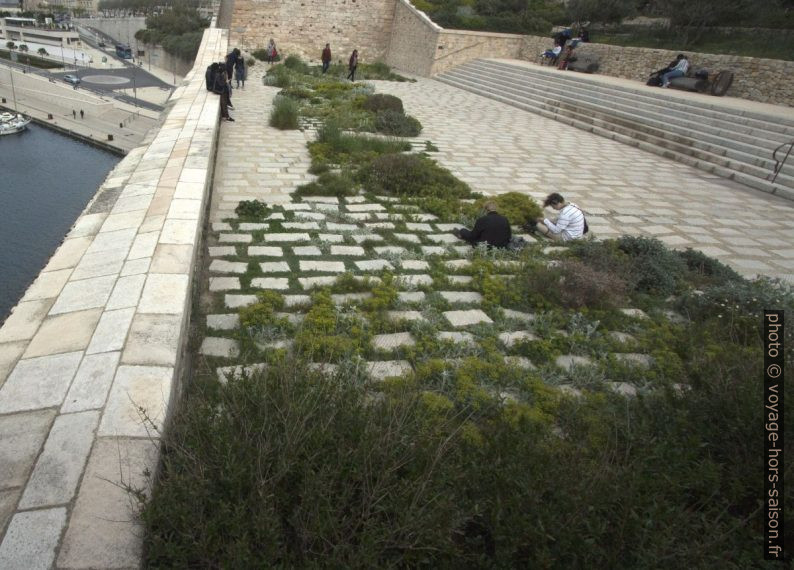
[(326, 57)]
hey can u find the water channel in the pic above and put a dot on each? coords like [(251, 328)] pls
[(46, 179)]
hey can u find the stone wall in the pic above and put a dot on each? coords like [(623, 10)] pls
[(121, 29), (458, 46), (756, 79), (420, 46), (414, 40), (303, 27)]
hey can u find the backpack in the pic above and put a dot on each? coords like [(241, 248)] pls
[(586, 227), (209, 76)]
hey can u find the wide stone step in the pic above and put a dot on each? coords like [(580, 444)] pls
[(720, 146), (761, 141), (573, 81), (721, 166)]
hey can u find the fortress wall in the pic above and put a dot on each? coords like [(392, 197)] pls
[(414, 40), (456, 47), (756, 79), (304, 26)]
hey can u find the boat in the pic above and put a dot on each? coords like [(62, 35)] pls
[(11, 123)]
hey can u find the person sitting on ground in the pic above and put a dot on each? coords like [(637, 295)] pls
[(570, 223), (678, 70), (492, 228), (553, 53)]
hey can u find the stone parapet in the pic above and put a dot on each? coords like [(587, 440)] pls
[(91, 357), (756, 79)]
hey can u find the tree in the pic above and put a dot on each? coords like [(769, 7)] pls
[(11, 45), (23, 47), (605, 11), (42, 52), (690, 18)]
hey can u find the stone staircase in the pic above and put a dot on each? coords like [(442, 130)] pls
[(727, 142)]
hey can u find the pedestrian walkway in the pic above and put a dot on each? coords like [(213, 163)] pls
[(497, 148)]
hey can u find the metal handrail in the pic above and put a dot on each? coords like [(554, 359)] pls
[(464, 48), (779, 163)]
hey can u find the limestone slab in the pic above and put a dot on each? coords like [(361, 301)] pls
[(622, 388), (32, 538), (373, 265), (136, 266), (69, 253), (418, 227), (442, 238), (390, 250), (224, 283), (380, 226), (307, 251), (334, 227), (153, 340), (412, 238), (509, 339), (178, 232), (461, 296), (103, 531), (457, 337), (324, 266), (466, 318), (568, 361), (100, 264), (111, 332), (220, 251), (392, 341), (126, 292), (237, 301), (221, 266), (164, 293), (414, 265), (135, 388), (382, 369), (411, 296), (635, 359), (84, 294), (223, 322), (9, 354), (171, 258), (221, 347), (221, 227), (321, 281), (47, 285), (331, 238), (635, 313), (64, 333), (457, 263), (275, 267), (277, 283), (92, 382), (60, 465), (460, 279), (433, 250), (361, 238), (8, 502), (519, 315), (414, 280), (144, 245), (411, 316), (350, 250), (365, 208), (286, 237), (265, 251), (235, 238), (112, 240), (344, 298), (253, 226), (21, 439), (24, 320), (300, 225), (519, 362), (231, 373), (296, 300)]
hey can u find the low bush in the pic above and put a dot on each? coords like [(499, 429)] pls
[(382, 102), (654, 267), (707, 269), (583, 286), (252, 210), (296, 92), (284, 115), (329, 184), (515, 206), (261, 55), (338, 147), (296, 64), (411, 175), (390, 122)]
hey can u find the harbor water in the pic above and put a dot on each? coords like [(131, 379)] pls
[(46, 180)]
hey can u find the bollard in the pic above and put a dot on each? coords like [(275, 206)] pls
[(49, 116), (121, 125), (110, 137), (4, 99)]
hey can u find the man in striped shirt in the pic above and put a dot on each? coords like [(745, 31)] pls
[(570, 223), (678, 70)]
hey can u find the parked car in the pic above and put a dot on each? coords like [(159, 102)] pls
[(73, 79)]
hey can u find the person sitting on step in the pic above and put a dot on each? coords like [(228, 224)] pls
[(570, 223), (551, 55), (679, 70), (492, 228)]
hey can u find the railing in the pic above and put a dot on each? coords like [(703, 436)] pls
[(780, 162)]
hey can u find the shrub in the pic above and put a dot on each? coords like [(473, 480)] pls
[(295, 63), (395, 123), (328, 184), (515, 206), (296, 92), (654, 267), (284, 114), (382, 102), (583, 286), (705, 268), (411, 175), (42, 52), (336, 146), (261, 55), (252, 209)]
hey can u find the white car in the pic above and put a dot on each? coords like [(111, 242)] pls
[(73, 79)]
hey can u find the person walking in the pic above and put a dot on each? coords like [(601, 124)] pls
[(326, 57), (74, 114), (240, 72), (82, 114), (221, 87), (272, 52), (352, 65)]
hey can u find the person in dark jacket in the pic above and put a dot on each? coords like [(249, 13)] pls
[(492, 228), (352, 65), (326, 57)]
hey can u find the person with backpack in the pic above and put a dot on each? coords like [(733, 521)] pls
[(570, 223)]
